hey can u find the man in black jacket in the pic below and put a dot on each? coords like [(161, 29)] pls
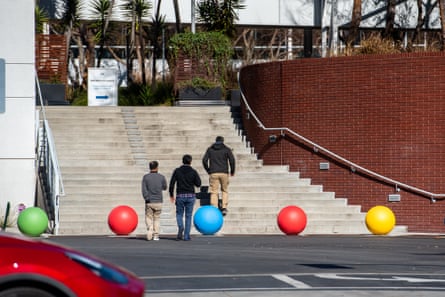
[(219, 161), (186, 179)]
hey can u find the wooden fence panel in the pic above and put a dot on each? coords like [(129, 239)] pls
[(51, 58)]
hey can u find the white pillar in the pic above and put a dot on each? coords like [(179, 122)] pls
[(325, 26), (17, 121), (334, 29), (289, 44)]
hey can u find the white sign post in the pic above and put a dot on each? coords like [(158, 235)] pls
[(102, 87)]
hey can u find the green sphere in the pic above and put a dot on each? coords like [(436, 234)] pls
[(32, 221)]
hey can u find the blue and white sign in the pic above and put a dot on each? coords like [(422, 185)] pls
[(102, 87), (2, 86)]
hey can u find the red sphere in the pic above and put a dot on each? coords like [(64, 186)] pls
[(292, 220), (122, 220)]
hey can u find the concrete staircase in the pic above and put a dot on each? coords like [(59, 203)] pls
[(104, 152)]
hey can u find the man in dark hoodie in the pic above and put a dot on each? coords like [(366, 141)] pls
[(219, 162), (186, 179)]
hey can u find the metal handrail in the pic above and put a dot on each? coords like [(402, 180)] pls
[(354, 167), (46, 153)]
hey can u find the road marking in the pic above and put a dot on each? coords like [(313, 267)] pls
[(419, 280), (392, 278), (342, 277), (291, 281)]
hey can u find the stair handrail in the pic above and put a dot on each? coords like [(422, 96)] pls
[(47, 154), (354, 167)]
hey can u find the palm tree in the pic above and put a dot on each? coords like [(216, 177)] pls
[(102, 9), (70, 18), (109, 14), (157, 27), (220, 15), (136, 10), (41, 18)]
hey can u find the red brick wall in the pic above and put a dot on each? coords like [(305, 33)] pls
[(384, 112)]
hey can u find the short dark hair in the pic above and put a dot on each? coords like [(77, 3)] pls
[(153, 165), (219, 139), (187, 160)]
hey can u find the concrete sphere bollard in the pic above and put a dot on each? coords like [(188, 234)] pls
[(380, 220), (32, 221), (208, 220), (292, 220), (122, 220)]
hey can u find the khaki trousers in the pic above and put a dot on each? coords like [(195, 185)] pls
[(217, 182), (153, 219)]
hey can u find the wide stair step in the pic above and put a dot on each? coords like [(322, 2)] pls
[(104, 152)]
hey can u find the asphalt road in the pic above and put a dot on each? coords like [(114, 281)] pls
[(277, 265)]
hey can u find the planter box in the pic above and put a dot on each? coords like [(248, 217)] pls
[(52, 94), (190, 93)]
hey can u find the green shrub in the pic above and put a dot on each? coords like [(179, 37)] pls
[(79, 97), (163, 95), (133, 95), (198, 82), (143, 95), (211, 52)]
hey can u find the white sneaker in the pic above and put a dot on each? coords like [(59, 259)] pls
[(156, 238)]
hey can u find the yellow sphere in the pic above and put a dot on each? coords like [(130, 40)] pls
[(380, 220)]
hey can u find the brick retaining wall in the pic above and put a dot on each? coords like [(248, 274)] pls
[(383, 112)]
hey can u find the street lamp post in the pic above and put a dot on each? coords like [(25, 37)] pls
[(193, 29)]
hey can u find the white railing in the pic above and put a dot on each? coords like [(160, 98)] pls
[(353, 166), (47, 167)]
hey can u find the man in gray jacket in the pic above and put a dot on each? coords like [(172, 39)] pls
[(153, 184), (219, 162)]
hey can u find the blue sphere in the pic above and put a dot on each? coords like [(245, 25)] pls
[(208, 220)]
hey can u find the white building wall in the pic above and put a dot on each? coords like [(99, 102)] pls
[(256, 12), (294, 13), (17, 122)]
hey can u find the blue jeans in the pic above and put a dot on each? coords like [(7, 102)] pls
[(184, 204)]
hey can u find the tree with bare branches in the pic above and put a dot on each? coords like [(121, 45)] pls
[(354, 26), (102, 9), (136, 11), (177, 16), (154, 33), (77, 32), (442, 23), (390, 19)]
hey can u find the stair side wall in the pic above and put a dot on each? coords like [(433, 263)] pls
[(383, 112)]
